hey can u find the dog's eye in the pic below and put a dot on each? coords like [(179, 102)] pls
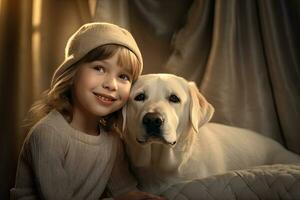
[(174, 99), (140, 97)]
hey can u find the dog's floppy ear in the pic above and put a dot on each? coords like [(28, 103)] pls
[(124, 113), (200, 110)]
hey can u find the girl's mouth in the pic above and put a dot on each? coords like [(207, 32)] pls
[(104, 99)]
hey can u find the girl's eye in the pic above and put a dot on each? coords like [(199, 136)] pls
[(125, 77), (99, 68), (140, 97), (174, 99)]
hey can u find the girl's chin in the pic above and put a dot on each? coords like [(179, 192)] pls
[(102, 112)]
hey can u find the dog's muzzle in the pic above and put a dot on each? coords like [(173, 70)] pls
[(153, 123)]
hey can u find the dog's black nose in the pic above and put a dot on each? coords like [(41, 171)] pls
[(153, 120)]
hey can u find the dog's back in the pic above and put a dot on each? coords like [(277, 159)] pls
[(219, 148)]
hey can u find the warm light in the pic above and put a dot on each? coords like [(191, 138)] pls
[(36, 47), (36, 17), (92, 6)]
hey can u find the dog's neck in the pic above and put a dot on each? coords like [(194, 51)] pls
[(156, 156), (158, 165), (155, 166), (160, 157)]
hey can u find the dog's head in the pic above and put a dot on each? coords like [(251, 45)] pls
[(163, 106)]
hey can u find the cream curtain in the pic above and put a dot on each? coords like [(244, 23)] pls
[(15, 83), (243, 54)]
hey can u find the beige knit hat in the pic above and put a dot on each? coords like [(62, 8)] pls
[(90, 36)]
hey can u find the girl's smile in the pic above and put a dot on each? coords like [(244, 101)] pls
[(105, 99)]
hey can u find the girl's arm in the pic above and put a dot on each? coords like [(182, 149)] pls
[(47, 150), (122, 184), (121, 180)]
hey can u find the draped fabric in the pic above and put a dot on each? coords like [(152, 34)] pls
[(234, 73), (243, 55), (14, 84), (280, 32)]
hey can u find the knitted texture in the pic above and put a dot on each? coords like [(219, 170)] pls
[(59, 162)]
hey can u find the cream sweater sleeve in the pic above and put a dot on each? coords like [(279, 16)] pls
[(46, 148), (121, 180)]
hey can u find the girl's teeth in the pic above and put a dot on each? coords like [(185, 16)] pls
[(104, 98)]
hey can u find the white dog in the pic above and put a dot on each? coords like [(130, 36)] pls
[(169, 140)]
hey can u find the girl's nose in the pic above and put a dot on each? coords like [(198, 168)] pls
[(109, 83)]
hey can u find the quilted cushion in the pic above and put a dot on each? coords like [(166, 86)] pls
[(263, 182)]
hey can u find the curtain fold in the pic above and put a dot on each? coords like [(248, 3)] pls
[(15, 79), (115, 12), (280, 22), (153, 24), (192, 43), (236, 79)]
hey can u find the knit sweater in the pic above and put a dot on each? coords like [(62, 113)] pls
[(59, 162)]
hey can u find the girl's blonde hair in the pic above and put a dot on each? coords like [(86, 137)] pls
[(58, 96)]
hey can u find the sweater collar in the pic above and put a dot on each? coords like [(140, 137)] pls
[(60, 124)]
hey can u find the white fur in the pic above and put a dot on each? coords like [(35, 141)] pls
[(201, 148)]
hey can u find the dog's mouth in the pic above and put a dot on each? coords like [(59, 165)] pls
[(159, 140), (154, 130)]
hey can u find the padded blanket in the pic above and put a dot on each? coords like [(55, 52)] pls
[(263, 182)]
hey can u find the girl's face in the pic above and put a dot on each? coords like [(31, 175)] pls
[(101, 87)]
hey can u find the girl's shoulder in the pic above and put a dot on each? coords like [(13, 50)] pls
[(45, 136), (48, 128)]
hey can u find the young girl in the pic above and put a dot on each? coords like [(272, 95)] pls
[(73, 151)]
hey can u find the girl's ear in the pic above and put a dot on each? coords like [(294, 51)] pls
[(200, 110), (124, 112)]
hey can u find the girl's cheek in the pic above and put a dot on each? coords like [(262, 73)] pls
[(126, 95)]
